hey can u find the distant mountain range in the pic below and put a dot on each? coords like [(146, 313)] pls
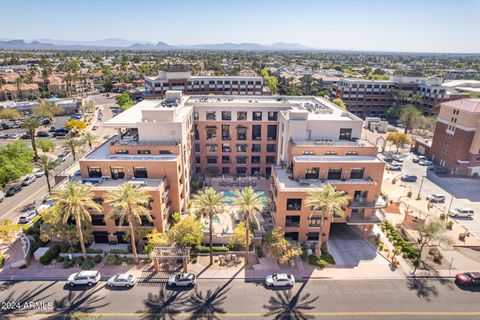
[(117, 43)]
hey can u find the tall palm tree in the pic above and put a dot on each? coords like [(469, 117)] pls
[(129, 203), (74, 145), (248, 202), (89, 138), (31, 124), (47, 164), (329, 201), (74, 201), (210, 203)]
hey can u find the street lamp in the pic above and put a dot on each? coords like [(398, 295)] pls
[(420, 190), (449, 206)]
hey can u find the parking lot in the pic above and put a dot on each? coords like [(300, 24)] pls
[(465, 191)]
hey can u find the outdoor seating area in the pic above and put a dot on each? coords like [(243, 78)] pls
[(259, 184)]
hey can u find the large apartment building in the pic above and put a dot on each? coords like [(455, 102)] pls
[(374, 97), (301, 143), (456, 141), (200, 85)]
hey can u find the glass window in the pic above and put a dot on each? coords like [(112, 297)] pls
[(195, 115), (140, 172), (312, 173), (226, 132), (255, 159), (226, 147), (272, 115), (256, 132), (225, 170), (255, 171), (94, 172), (241, 133), (211, 147), (241, 115), (257, 116), (314, 221), (330, 153), (98, 220), (270, 159), (241, 171), (294, 204), (226, 115), (226, 159), (271, 148), (211, 160), (211, 133), (256, 147), (117, 173), (197, 147), (211, 115), (335, 173), (357, 173), (242, 147), (144, 152), (241, 160), (351, 153), (166, 151), (272, 132), (308, 152), (121, 151), (345, 134), (197, 159), (292, 221)]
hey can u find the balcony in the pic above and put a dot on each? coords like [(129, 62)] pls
[(331, 142), (166, 192), (116, 141), (358, 218), (379, 203), (108, 183)]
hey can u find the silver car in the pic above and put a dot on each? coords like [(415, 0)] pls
[(84, 277), (182, 280), (122, 280), (461, 213)]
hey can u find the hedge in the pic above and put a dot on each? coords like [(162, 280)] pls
[(91, 250), (315, 261), (51, 254), (118, 251), (205, 249), (327, 257), (397, 239)]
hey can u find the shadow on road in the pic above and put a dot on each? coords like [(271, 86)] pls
[(82, 301), (15, 305), (164, 305)]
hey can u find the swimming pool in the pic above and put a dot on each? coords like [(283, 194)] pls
[(230, 194)]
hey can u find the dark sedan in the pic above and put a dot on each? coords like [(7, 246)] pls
[(13, 189), (408, 178)]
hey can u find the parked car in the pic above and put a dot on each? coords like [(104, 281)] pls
[(461, 213), (5, 126), (13, 189), (45, 122), (408, 178), (397, 158), (43, 134), (440, 170), (468, 279), (60, 134), (425, 163), (52, 129), (388, 157), (122, 280), (436, 197), (13, 135), (182, 280), (47, 203), (84, 277), (417, 159), (279, 280), (39, 173), (27, 216), (393, 167), (25, 136), (29, 180), (61, 157)]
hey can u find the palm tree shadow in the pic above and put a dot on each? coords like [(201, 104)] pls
[(207, 305), (164, 305), (283, 305), (23, 299), (425, 287), (79, 301)]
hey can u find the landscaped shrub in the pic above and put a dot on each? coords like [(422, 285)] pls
[(51, 254), (91, 250), (67, 263), (45, 260), (205, 249), (97, 258), (321, 263), (328, 258), (408, 251), (87, 264), (79, 261), (111, 259), (118, 251), (60, 259)]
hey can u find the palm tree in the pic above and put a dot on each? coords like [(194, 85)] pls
[(209, 203), (73, 145), (129, 203), (47, 164), (31, 124), (74, 201), (329, 201), (247, 201), (89, 138)]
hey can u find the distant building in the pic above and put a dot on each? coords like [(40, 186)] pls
[(456, 141), (17, 92), (461, 74)]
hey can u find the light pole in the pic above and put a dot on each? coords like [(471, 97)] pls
[(449, 206), (420, 190)]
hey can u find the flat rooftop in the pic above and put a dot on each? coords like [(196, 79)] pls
[(108, 183), (469, 105), (345, 159)]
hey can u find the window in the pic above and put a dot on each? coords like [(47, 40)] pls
[(197, 160), (226, 132), (195, 115), (351, 153), (226, 115), (292, 236), (255, 171), (225, 170), (226, 159), (226, 147), (256, 132), (257, 116), (330, 153), (166, 151), (211, 160), (98, 220), (241, 115), (292, 221), (212, 147), (197, 147), (144, 152), (94, 172), (357, 173), (211, 115), (121, 151), (242, 147), (314, 221), (308, 152), (271, 148), (270, 159), (335, 173), (312, 173), (140, 172), (197, 134), (272, 116), (345, 134), (145, 222), (294, 204), (241, 133), (272, 132), (255, 159), (241, 160), (241, 171), (211, 133), (117, 173)]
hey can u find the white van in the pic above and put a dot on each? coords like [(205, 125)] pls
[(461, 213)]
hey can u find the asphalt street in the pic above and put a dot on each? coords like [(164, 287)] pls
[(238, 299)]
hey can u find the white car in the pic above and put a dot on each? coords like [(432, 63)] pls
[(47, 203), (122, 280), (280, 280), (182, 280), (461, 213), (425, 163), (393, 167), (84, 277), (436, 197), (27, 216), (397, 158), (29, 180), (39, 173)]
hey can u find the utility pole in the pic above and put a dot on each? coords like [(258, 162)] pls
[(449, 206), (419, 190)]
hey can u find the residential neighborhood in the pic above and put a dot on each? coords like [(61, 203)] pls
[(206, 180)]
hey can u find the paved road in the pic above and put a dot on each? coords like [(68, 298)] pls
[(465, 191), (11, 207), (317, 299)]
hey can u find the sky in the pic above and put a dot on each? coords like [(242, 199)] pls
[(386, 25)]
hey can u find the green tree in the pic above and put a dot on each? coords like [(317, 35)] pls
[(247, 201), (209, 203), (124, 101), (339, 102), (47, 110), (128, 203), (47, 165), (398, 139), (155, 238), (74, 145), (329, 202), (408, 114), (240, 237), (31, 124), (8, 231), (46, 145), (15, 161), (270, 81), (187, 232), (89, 138), (75, 201), (9, 113), (281, 249)]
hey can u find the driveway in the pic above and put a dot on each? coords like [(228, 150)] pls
[(349, 249)]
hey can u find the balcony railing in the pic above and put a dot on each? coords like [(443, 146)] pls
[(358, 218), (379, 203), (331, 142)]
